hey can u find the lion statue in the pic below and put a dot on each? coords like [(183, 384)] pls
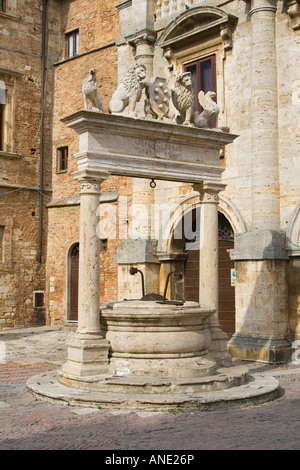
[(183, 98), (129, 92), (90, 92)]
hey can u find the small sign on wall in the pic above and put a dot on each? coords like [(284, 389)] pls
[(232, 277)]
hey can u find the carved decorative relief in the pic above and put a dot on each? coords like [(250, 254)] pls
[(89, 187), (293, 10)]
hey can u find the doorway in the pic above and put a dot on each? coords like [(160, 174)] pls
[(226, 276), (73, 282)]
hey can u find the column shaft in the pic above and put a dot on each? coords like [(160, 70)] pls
[(265, 170), (89, 268)]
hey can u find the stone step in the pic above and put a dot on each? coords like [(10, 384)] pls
[(257, 390)]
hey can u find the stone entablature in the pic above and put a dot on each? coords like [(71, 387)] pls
[(119, 145)]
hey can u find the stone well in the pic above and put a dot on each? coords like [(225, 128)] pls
[(157, 339), (148, 355)]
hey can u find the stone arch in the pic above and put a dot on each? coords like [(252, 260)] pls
[(174, 219), (232, 214), (226, 207)]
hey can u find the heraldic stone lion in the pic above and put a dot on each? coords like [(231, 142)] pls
[(183, 98), (129, 91), (90, 92)]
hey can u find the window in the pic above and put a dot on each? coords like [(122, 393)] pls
[(38, 299), (2, 5), (62, 159), (72, 43), (203, 77), (2, 126), (1, 243)]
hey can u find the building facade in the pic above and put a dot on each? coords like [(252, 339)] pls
[(25, 153), (248, 53)]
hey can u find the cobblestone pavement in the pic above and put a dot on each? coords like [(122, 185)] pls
[(30, 424)]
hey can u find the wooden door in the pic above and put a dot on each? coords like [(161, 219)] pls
[(74, 277), (226, 289)]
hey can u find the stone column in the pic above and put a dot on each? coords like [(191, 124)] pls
[(265, 170), (260, 254), (209, 266), (88, 351)]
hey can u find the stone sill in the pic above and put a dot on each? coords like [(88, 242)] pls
[(9, 154), (78, 56), (9, 16)]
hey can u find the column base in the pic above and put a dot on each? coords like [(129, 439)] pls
[(87, 356), (218, 346), (266, 349)]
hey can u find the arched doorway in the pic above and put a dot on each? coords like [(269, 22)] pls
[(226, 274), (73, 282)]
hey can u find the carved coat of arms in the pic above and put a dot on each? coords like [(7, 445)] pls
[(158, 98)]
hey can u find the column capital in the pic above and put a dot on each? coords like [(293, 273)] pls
[(257, 6), (89, 187), (209, 192), (88, 177), (145, 36)]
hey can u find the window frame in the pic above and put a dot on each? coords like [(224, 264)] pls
[(3, 6), (74, 35), (197, 63), (62, 159), (2, 127)]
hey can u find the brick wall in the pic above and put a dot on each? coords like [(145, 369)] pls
[(97, 22)]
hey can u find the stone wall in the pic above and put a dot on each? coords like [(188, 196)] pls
[(20, 70)]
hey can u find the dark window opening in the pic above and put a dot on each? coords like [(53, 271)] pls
[(2, 5), (1, 242), (38, 299), (62, 159), (72, 43), (2, 124)]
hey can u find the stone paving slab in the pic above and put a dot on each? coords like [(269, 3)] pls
[(31, 424)]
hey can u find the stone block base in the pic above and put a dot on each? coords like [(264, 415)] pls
[(218, 347), (87, 357), (266, 349)]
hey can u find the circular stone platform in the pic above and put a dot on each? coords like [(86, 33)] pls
[(227, 388), (158, 360)]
